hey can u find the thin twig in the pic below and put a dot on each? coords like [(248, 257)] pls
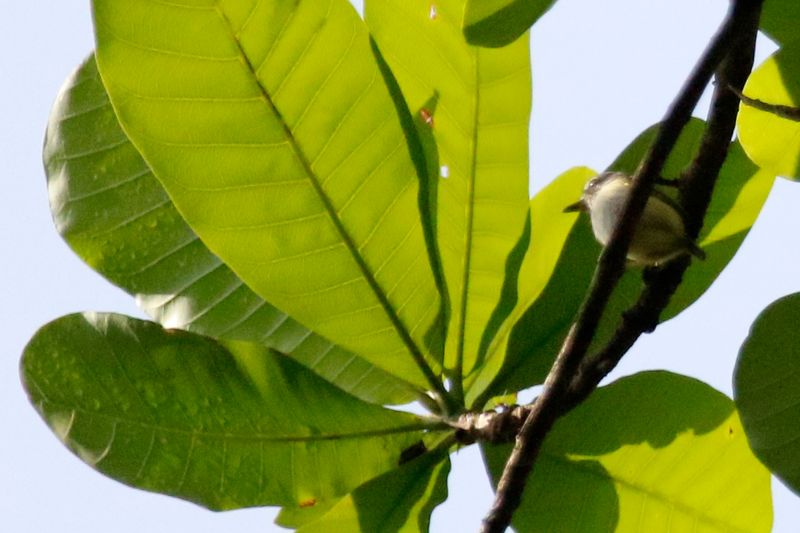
[(554, 400), (496, 426), (783, 111)]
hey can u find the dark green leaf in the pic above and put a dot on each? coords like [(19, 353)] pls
[(117, 217), (767, 389), (224, 425), (496, 23), (780, 20), (399, 501), (651, 452)]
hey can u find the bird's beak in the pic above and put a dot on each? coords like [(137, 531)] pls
[(577, 206)]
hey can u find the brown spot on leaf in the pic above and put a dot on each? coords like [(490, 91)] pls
[(305, 504), (427, 116)]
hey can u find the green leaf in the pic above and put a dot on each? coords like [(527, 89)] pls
[(651, 452), (766, 384), (547, 308), (509, 295), (688, 142), (550, 250), (295, 517), (269, 126), (496, 23), (476, 104), (116, 216), (773, 142), (780, 20), (740, 193), (399, 501), (223, 425)]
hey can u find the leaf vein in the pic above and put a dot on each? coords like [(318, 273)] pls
[(109, 187)]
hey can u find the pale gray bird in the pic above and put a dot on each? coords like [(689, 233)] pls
[(661, 231)]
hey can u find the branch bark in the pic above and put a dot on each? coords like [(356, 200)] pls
[(571, 379)]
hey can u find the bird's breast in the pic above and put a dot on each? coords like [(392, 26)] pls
[(606, 207)]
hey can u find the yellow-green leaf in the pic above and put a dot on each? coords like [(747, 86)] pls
[(548, 251), (770, 141), (116, 216), (475, 103), (270, 127)]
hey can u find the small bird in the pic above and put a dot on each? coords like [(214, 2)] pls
[(661, 231)]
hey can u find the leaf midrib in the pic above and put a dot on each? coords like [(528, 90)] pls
[(252, 436), (470, 216)]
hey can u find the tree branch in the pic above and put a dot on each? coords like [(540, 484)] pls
[(495, 426), (561, 391), (696, 188)]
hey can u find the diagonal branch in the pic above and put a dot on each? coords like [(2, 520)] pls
[(696, 188), (562, 389)]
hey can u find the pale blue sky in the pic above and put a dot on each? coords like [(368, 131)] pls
[(592, 95)]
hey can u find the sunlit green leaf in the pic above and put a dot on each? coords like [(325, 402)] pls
[(551, 250), (499, 22), (773, 142), (548, 305), (117, 217), (476, 105), (224, 425), (767, 389), (400, 501), (509, 294), (270, 127), (780, 20), (296, 516), (651, 452)]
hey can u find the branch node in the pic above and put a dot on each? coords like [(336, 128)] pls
[(500, 425)]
